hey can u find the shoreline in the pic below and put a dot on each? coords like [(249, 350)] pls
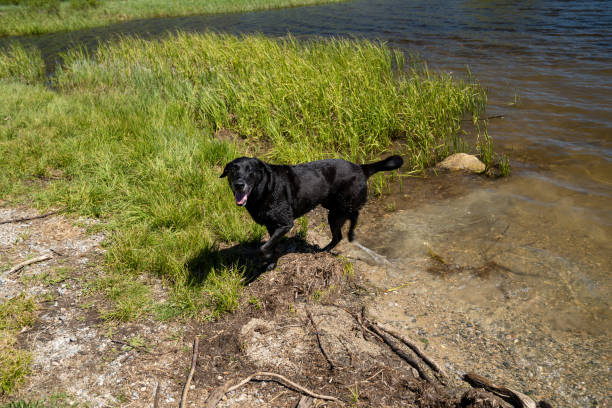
[(78, 359), (21, 20)]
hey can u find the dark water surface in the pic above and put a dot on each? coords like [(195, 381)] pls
[(547, 66)]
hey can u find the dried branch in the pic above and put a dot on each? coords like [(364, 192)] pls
[(194, 359), (28, 262), (29, 218), (156, 399), (316, 330), (378, 331), (430, 362), (407, 357), (219, 392)]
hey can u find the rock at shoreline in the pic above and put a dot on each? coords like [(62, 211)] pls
[(462, 161)]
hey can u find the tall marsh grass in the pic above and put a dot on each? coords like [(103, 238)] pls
[(302, 100), (127, 136)]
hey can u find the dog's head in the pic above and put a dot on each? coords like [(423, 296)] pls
[(243, 174)]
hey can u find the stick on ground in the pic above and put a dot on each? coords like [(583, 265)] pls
[(194, 359), (407, 357), (430, 362), (316, 329), (156, 398), (219, 392), (29, 218), (28, 262)]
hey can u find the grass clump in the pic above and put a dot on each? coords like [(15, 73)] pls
[(57, 400), (18, 63), (24, 404), (130, 298), (15, 314), (27, 17), (302, 100), (127, 136)]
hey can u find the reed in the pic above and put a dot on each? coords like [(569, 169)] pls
[(127, 135), (302, 100)]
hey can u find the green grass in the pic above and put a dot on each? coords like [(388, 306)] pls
[(57, 400), (24, 404), (27, 17), (127, 136), (15, 314), (21, 64)]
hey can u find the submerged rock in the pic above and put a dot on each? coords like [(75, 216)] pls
[(462, 161)]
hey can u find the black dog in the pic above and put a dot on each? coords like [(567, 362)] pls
[(275, 195)]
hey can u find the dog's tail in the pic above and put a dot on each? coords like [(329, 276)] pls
[(390, 163)]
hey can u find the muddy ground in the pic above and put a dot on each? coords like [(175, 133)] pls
[(85, 360)]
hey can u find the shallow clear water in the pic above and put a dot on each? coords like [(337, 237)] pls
[(547, 228)]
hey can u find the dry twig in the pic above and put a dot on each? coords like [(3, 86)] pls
[(407, 357), (29, 218), (194, 359), (28, 262), (430, 362), (219, 392), (379, 332), (316, 330), (156, 399)]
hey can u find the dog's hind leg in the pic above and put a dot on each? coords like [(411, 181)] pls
[(336, 221), (353, 218)]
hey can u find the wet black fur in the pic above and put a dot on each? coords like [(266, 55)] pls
[(278, 194)]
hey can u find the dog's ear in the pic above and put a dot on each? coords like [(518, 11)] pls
[(224, 174)]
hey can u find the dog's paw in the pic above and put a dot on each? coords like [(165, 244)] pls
[(265, 254), (271, 266)]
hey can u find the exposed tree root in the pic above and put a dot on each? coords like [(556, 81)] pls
[(517, 399), (216, 396)]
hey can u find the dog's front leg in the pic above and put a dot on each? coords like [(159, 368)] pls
[(276, 233)]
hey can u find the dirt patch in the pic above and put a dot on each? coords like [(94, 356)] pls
[(275, 334), (298, 320)]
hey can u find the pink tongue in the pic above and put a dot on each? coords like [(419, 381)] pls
[(241, 198)]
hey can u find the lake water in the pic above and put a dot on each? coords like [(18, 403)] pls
[(528, 257)]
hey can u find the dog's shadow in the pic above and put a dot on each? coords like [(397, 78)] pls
[(245, 257)]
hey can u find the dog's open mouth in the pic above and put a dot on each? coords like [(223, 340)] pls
[(241, 197)]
